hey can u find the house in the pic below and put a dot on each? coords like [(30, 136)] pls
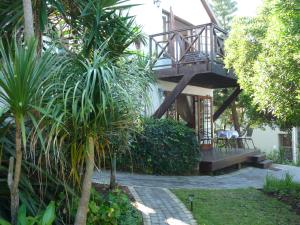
[(272, 139), (186, 46)]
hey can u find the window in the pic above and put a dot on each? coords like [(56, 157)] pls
[(285, 145)]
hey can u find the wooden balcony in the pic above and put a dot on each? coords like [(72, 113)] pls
[(196, 50)]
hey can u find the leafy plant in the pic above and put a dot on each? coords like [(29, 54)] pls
[(23, 74), (90, 104), (45, 218), (282, 187), (113, 209), (279, 156), (162, 147)]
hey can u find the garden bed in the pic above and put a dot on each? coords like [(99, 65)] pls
[(289, 200), (285, 190), (104, 189)]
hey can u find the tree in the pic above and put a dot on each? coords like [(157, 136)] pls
[(22, 76), (86, 111), (93, 21), (224, 10), (264, 52)]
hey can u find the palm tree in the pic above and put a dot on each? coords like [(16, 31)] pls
[(88, 23), (22, 76), (82, 104), (96, 101)]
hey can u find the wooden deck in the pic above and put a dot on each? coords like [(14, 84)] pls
[(197, 50), (216, 159)]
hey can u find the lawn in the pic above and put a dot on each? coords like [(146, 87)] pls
[(236, 207)]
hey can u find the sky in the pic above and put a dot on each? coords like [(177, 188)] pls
[(248, 7)]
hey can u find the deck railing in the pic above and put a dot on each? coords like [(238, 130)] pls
[(201, 43)]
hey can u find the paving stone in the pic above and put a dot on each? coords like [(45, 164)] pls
[(170, 209), (152, 192)]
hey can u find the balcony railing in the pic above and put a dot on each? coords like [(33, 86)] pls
[(203, 43)]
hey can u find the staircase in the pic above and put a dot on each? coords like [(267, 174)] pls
[(259, 161)]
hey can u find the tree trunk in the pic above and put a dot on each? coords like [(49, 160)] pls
[(28, 19), (14, 192), (113, 171), (81, 214), (37, 28), (236, 123)]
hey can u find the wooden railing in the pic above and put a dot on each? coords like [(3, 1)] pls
[(204, 43)]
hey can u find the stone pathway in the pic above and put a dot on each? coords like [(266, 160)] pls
[(160, 206)]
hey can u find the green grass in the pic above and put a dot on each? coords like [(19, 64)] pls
[(237, 207)]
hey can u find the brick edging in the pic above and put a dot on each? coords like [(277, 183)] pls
[(182, 206), (146, 218)]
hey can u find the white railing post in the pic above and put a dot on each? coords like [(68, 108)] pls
[(295, 144)]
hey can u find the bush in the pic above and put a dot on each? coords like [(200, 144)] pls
[(164, 147), (113, 209), (45, 218)]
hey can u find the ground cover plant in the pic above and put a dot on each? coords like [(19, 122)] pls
[(164, 147), (238, 206), (284, 189), (112, 208)]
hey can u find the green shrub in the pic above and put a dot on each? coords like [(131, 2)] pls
[(282, 187), (113, 209), (163, 146), (45, 218)]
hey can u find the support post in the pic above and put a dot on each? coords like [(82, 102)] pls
[(295, 144)]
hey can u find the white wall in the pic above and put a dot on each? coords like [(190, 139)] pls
[(189, 90), (156, 100), (189, 10), (266, 139), (149, 16)]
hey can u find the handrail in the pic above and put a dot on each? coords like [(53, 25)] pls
[(189, 45), (188, 28)]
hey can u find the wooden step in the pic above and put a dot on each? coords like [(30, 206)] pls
[(258, 158), (263, 164)]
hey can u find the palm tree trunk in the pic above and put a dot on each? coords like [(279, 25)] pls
[(28, 19), (14, 192), (81, 214)]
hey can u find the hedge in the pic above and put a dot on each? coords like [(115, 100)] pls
[(162, 147)]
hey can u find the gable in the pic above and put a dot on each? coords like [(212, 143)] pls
[(188, 13)]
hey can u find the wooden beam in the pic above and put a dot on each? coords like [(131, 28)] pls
[(210, 12), (226, 103), (169, 100)]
